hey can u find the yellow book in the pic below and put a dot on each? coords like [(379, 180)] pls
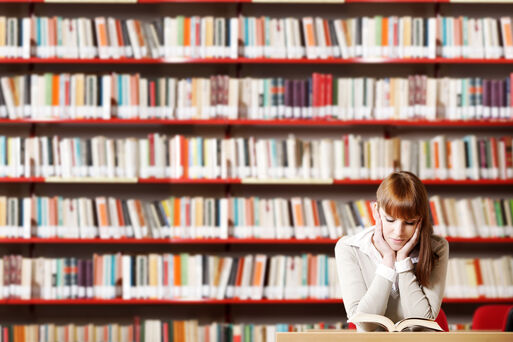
[(209, 37), (3, 22), (153, 274), (199, 216)]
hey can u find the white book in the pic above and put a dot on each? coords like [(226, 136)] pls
[(506, 34), (134, 43), (223, 280)]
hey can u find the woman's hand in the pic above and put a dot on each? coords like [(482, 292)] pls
[(381, 245), (408, 246)]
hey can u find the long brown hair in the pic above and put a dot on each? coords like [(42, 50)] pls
[(402, 195)]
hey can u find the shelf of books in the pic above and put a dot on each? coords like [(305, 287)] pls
[(498, 123), (184, 154), (220, 302), (186, 60), (214, 241)]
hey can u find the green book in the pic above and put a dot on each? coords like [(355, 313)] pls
[(48, 85), (180, 24), (184, 263), (170, 332), (498, 213)]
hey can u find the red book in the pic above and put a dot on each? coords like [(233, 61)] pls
[(327, 33), (198, 30), (494, 150), (119, 210), (479, 275), (67, 95), (137, 328), (187, 213), (165, 331), (329, 92), (434, 213), (238, 278), (369, 210), (166, 273), (322, 90), (120, 34), (185, 156), (151, 140), (315, 214), (153, 98)]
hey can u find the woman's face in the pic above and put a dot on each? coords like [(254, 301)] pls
[(397, 231)]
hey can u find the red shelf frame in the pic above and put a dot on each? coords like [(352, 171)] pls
[(22, 180), (240, 181), (231, 241), (377, 60), (120, 301), (284, 122), (188, 181), (430, 182)]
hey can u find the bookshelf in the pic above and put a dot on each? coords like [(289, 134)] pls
[(231, 241), (439, 66), (329, 61), (417, 123), (220, 302)]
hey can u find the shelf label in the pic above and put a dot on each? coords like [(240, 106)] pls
[(89, 180), (302, 1), (286, 181), (94, 1), (483, 1)]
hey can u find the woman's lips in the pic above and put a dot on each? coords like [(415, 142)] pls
[(397, 241)]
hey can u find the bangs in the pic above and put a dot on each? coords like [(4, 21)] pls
[(404, 209), (400, 198)]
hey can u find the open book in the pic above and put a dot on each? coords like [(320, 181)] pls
[(385, 322)]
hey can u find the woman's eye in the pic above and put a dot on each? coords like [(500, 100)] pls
[(390, 220), (410, 223)]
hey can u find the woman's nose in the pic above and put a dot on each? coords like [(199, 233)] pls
[(398, 228)]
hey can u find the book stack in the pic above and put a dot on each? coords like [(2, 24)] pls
[(152, 330), (321, 96), (472, 217), (170, 276), (256, 37), (161, 156), (485, 277), (181, 218), (234, 217), (198, 277)]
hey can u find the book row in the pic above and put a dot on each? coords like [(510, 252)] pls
[(152, 330), (486, 277), (321, 96), (234, 217), (196, 277), (350, 157), (256, 37), (170, 276)]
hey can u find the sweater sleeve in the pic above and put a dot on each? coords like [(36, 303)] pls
[(356, 296), (418, 301)]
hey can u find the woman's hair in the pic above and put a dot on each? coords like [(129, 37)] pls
[(402, 195)]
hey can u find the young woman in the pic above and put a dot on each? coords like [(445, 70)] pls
[(396, 268)]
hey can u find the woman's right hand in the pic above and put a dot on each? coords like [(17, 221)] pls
[(381, 245)]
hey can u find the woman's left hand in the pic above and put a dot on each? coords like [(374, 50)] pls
[(408, 246)]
